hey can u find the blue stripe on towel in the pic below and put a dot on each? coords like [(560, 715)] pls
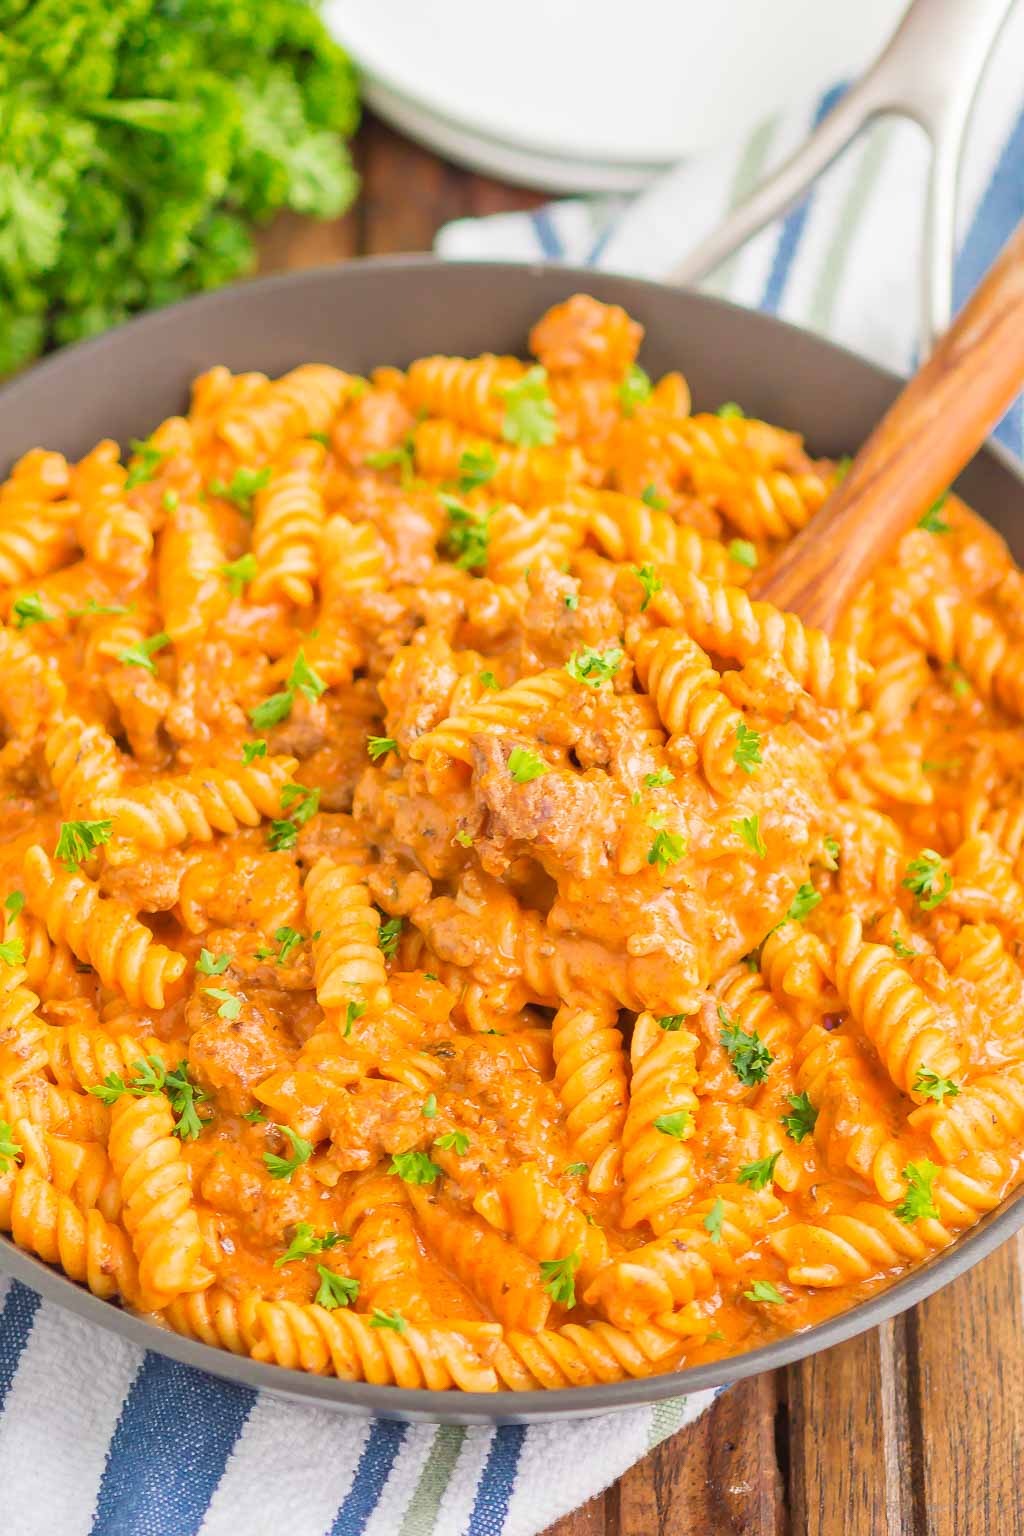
[(372, 1473), (497, 1482), (793, 225), (16, 1321), (172, 1442), (547, 234)]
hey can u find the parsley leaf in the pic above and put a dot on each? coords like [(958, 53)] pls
[(301, 801), (763, 1290), (933, 520), (141, 655), (334, 1290), (272, 710), (525, 765), (79, 838), (282, 835), (399, 457), (667, 849), (388, 936), (559, 1278), (467, 534), (713, 1220), (230, 1005), (489, 681), (660, 779), (750, 1057), (803, 903), (208, 965), (634, 390), (453, 1141), (905, 951), (743, 552), (252, 750), (284, 1167), (529, 418), (918, 1201), (830, 850), (380, 746), (429, 1108), (289, 939), (593, 667), (748, 828), (927, 879), (650, 498), (476, 467), (306, 1242), (650, 581), (576, 1170), (392, 1319), (12, 952), (730, 410), (302, 678), (10, 1150), (254, 1116), (241, 488), (803, 1119), (29, 610), (932, 1086), (184, 1096), (464, 839), (758, 1174), (353, 1011), (15, 903), (675, 1125), (747, 752), (672, 1021), (145, 463), (414, 1167), (238, 573)]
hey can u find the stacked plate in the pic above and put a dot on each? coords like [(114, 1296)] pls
[(594, 95)]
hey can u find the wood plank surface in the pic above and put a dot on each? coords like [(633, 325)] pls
[(914, 1429)]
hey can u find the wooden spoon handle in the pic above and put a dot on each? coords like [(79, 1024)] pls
[(931, 431)]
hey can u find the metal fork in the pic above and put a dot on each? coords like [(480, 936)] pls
[(930, 72)]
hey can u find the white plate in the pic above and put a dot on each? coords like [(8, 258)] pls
[(595, 81)]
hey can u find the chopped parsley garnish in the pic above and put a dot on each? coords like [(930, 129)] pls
[(254, 1116), (958, 683), (210, 965), (675, 1125), (12, 952), (746, 754), (303, 679), (464, 839), (918, 1201), (400, 458), (525, 765), (672, 1021), (931, 1086), (92, 608), (927, 880), (803, 1119), (282, 835), (593, 667), (467, 534), (476, 468), (15, 903), (284, 1167), (453, 1141), (141, 655), (650, 581), (803, 903), (10, 1150), (251, 750), (748, 828), (667, 849), (238, 573), (241, 488), (288, 939), (559, 1278), (634, 390), (169, 501), (904, 951), (730, 409), (529, 418), (388, 936), (649, 496), (763, 1290), (334, 1290), (577, 1170), (29, 610), (429, 1109), (392, 1319), (749, 1055), (414, 1167), (489, 681), (230, 1005), (743, 552), (78, 839), (842, 469), (301, 801), (353, 1011), (830, 848), (323, 438), (571, 601), (306, 1242), (184, 1096), (713, 1220), (659, 779), (144, 464), (933, 520), (380, 746), (273, 710), (758, 1174)]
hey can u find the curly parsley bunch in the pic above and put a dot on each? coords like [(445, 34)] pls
[(140, 139)]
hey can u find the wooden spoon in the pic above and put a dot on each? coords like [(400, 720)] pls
[(931, 431)]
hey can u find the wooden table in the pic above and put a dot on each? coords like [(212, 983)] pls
[(916, 1429)]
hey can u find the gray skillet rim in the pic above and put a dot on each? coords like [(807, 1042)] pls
[(771, 350)]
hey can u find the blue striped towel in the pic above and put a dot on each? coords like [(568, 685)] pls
[(98, 1438)]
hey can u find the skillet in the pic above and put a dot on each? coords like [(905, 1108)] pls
[(391, 310)]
